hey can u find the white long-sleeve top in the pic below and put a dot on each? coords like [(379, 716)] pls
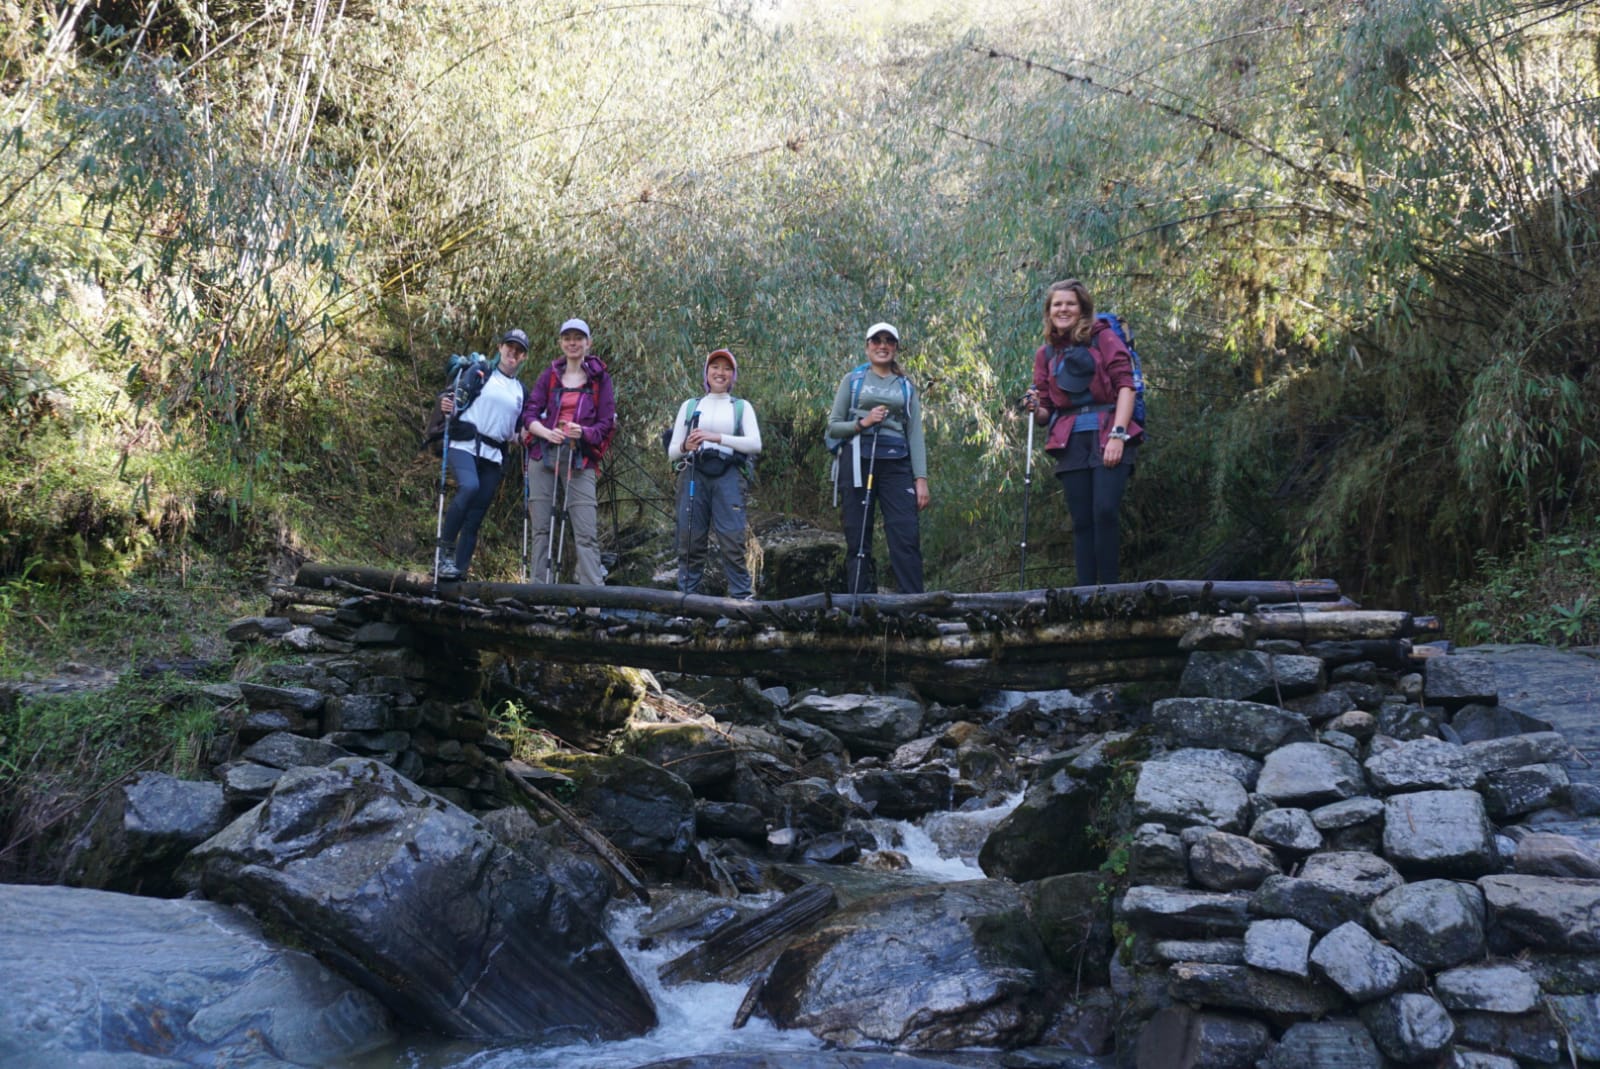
[(717, 417)]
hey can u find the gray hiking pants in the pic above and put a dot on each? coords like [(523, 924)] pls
[(715, 506), (583, 536)]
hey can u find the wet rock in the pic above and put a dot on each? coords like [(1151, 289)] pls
[(865, 723), (1475, 723), (1250, 675), (1547, 854), (1211, 951), (142, 830), (1579, 1017), (302, 700), (582, 703), (1184, 914), (487, 945), (1436, 923), (1215, 723), (939, 968), (1320, 708), (188, 983), (1454, 682), (1183, 794), (1424, 764), (1337, 816), (698, 754), (1363, 968), (250, 628), (1529, 1037), (1240, 767), (904, 795), (1474, 1059), (645, 811), (1406, 722), (1490, 988), (1290, 831), (1514, 751), (834, 848), (283, 750), (1240, 987), (359, 712), (1222, 862), (1325, 1045), (1156, 856), (1309, 774), (1409, 1027), (244, 783), (1357, 724), (730, 820), (1178, 1037), (1280, 946), (1442, 833), (1517, 791), (1052, 831), (813, 805), (1073, 915), (1545, 912)]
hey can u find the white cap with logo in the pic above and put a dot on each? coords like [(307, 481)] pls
[(883, 328)]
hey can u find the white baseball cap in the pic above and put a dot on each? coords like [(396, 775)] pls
[(575, 324), (883, 328)]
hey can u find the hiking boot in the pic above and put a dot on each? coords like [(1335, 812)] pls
[(449, 573)]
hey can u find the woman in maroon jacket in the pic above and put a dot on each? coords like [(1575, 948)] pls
[(569, 418), (1083, 390)]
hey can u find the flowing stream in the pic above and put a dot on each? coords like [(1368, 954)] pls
[(697, 1018)]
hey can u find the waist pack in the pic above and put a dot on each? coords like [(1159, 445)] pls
[(710, 463)]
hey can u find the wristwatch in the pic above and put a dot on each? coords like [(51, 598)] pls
[(1119, 433)]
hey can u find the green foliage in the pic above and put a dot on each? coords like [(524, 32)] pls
[(1545, 593), (61, 752)]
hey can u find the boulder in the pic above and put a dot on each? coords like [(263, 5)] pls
[(582, 703), (139, 834), (1489, 988), (1513, 792), (1250, 675), (866, 723), (1243, 988), (415, 900), (903, 794), (1309, 774), (1424, 764), (1438, 833), (1454, 682), (930, 968), (1222, 862), (1179, 795), (1435, 923), (1548, 854), (99, 979), (1184, 914), (1178, 1037), (645, 811), (1290, 831), (1545, 912), (1279, 945), (1409, 1027), (1363, 968), (1324, 1045), (698, 754), (1053, 831), (1073, 915), (1216, 723)]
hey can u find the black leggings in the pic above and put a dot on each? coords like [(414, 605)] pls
[(1093, 497)]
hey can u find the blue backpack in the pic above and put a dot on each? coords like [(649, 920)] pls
[(1114, 321), (858, 375)]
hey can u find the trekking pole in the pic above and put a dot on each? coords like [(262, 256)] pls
[(550, 538), (566, 508), (444, 462), (866, 523), (527, 492), (1027, 486)]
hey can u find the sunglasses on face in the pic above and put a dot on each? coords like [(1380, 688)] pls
[(882, 339)]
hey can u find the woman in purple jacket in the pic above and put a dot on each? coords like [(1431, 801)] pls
[(1083, 390), (569, 418)]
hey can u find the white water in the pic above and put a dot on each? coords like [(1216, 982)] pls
[(698, 1018)]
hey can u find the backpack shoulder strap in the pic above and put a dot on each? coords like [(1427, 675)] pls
[(738, 417)]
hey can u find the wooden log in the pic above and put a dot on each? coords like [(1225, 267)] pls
[(614, 858), (732, 943), (671, 603)]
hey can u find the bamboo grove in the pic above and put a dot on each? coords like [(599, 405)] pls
[(1356, 240)]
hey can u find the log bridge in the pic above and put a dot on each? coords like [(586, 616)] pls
[(1025, 640)]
